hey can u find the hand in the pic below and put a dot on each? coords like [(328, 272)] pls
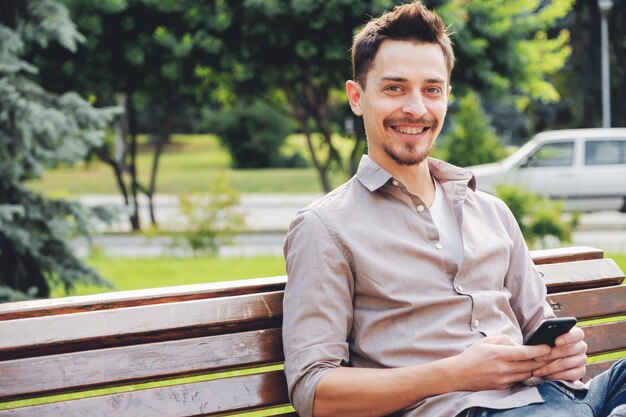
[(567, 359), (497, 363)]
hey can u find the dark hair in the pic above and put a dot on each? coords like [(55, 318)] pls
[(410, 22)]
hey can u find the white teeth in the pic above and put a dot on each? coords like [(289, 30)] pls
[(410, 130)]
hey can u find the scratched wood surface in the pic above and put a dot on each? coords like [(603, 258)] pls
[(121, 299), (579, 275), (166, 320), (207, 398), (590, 304), (138, 363)]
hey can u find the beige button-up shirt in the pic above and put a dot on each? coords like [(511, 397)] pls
[(370, 285)]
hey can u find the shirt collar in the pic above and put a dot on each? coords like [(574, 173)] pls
[(373, 176)]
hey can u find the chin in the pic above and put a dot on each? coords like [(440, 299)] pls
[(407, 157)]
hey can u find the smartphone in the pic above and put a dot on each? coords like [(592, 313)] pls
[(549, 330)]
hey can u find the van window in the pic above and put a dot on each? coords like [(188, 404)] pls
[(605, 152), (552, 155)]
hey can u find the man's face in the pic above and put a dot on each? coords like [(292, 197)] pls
[(405, 101)]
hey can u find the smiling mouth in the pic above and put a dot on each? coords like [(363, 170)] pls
[(411, 130)]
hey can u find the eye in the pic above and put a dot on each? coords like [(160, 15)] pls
[(393, 88), (433, 90)]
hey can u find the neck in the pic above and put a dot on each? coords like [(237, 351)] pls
[(416, 178)]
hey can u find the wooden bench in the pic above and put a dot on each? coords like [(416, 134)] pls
[(214, 349)]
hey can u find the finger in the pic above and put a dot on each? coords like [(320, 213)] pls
[(523, 353), (564, 351), (525, 367), (575, 335), (569, 375), (562, 365)]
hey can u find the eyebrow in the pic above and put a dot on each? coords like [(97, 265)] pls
[(404, 80)]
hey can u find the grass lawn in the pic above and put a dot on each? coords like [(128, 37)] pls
[(190, 163)]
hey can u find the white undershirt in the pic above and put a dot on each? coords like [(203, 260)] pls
[(449, 231)]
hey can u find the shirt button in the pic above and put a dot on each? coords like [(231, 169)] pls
[(439, 246), (396, 183), (459, 288), (420, 209), (476, 323)]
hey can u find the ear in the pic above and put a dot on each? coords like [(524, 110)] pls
[(353, 90), (449, 90)]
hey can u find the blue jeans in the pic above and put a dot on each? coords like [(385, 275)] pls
[(606, 397)]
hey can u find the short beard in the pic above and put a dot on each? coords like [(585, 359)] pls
[(408, 157)]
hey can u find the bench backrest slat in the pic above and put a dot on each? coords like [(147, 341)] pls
[(590, 304), (140, 363), (206, 398), (578, 275), (164, 321), (150, 296), (605, 337), (569, 254)]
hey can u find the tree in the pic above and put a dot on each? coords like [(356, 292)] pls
[(39, 130), (580, 81), (142, 55), (503, 54), (304, 64), (160, 55), (509, 58)]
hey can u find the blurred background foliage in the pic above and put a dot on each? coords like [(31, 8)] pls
[(256, 72)]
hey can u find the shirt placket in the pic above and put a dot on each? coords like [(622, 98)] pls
[(429, 224)]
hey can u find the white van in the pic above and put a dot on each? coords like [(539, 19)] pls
[(584, 167)]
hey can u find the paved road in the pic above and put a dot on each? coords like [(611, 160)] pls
[(268, 217)]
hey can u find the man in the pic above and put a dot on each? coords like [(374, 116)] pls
[(410, 292)]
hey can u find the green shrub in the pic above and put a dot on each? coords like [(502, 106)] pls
[(538, 217), (212, 219), (471, 140), (253, 134)]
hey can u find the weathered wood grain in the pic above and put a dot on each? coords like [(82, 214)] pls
[(605, 337), (122, 299), (580, 275), (99, 368), (557, 255), (225, 313), (207, 398), (590, 304)]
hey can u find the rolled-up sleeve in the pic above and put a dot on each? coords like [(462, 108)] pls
[(317, 307)]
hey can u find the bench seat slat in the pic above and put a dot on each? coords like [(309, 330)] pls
[(207, 398), (591, 303), (141, 363), (579, 275), (605, 337), (219, 312)]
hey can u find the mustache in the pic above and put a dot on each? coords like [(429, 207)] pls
[(427, 121)]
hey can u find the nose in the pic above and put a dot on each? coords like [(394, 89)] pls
[(414, 105)]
